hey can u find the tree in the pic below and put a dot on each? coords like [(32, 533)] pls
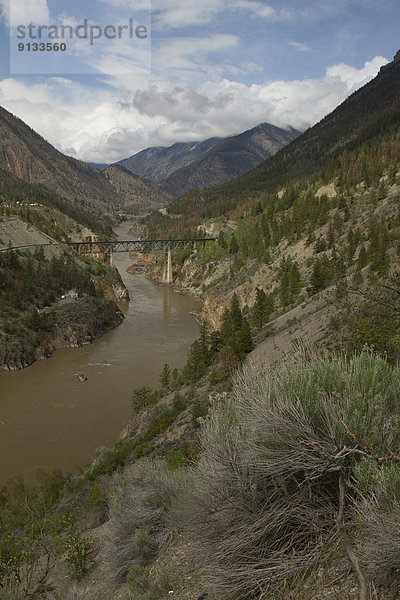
[(222, 240), (198, 361), (290, 281), (231, 322), (142, 397), (165, 376), (262, 308), (321, 275), (215, 342), (374, 319), (233, 246), (243, 343), (362, 260)]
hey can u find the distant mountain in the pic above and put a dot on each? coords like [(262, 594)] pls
[(199, 165), (26, 156), (158, 163), (100, 166), (230, 158)]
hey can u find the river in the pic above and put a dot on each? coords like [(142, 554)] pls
[(49, 419)]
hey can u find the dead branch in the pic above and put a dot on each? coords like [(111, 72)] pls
[(346, 540)]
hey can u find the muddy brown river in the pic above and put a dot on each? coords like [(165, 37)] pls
[(49, 419)]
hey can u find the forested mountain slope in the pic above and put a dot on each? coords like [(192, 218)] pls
[(353, 142)]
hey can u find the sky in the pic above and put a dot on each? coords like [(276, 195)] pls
[(151, 73)]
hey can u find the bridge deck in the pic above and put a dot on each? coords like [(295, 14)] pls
[(143, 246)]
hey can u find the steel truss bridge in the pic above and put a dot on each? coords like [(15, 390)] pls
[(142, 246)]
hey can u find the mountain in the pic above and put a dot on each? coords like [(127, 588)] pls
[(230, 158), (158, 163), (197, 165), (100, 166), (147, 195), (27, 157), (349, 142)]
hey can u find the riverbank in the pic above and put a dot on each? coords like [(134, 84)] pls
[(69, 324), (52, 300)]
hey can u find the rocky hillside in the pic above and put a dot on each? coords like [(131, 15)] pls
[(230, 158), (139, 196), (27, 157)]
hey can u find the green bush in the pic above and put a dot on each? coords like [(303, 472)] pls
[(264, 496)]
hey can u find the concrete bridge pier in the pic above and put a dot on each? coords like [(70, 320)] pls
[(167, 271), (108, 259)]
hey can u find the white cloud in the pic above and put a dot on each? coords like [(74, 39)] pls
[(24, 12), (256, 8), (354, 78), (112, 122), (171, 14), (177, 56), (300, 47)]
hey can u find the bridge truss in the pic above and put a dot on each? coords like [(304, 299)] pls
[(142, 246)]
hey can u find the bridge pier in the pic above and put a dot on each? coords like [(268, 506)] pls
[(167, 271)]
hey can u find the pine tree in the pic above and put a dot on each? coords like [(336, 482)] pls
[(265, 230), (262, 308), (233, 246), (235, 312), (165, 377), (362, 260), (321, 275), (222, 240), (243, 342)]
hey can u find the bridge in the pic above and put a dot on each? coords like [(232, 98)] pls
[(142, 246)]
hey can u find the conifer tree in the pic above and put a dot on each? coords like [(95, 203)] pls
[(244, 343), (262, 308), (233, 246), (165, 377)]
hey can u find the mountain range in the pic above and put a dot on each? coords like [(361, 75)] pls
[(197, 165)]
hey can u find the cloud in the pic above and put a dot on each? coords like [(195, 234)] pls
[(175, 57), (300, 47), (354, 78), (107, 123), (172, 14), (24, 12), (256, 8)]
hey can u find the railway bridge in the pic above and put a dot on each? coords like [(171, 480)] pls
[(142, 246), (146, 246)]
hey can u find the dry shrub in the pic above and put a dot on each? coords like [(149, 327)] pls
[(73, 593), (381, 547), (264, 501), (139, 504)]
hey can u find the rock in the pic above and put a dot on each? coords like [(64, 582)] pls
[(80, 377)]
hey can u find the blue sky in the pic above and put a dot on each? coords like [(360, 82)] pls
[(207, 67)]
